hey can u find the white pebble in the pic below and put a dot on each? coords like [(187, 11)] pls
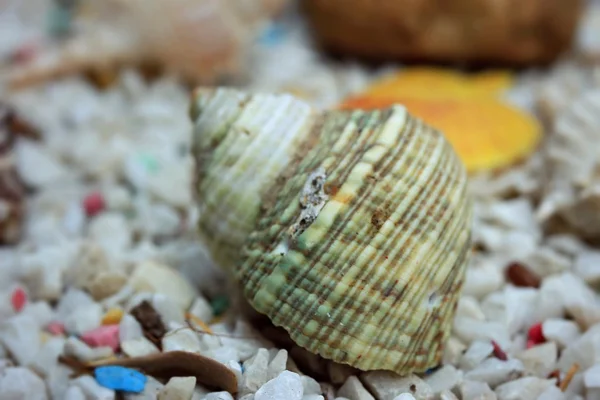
[(111, 231), (47, 358), (92, 390), (224, 354), (591, 378), (81, 351), (405, 396), (36, 165), (168, 309), (386, 385), (84, 318), (179, 388), (561, 331), (20, 383), (584, 351), (74, 219), (587, 266), (481, 280), (151, 389), (513, 307), (218, 396), (310, 385), (540, 360), (523, 389), (354, 389), (552, 393), (453, 351), (139, 347), (448, 395), (183, 339), (201, 309), (277, 364), (172, 183), (71, 300), (468, 306), (129, 328), (578, 299), (476, 390), (20, 335), (74, 393), (445, 378), (117, 198), (153, 277), (478, 351), (255, 372), (495, 372), (40, 311), (313, 397), (469, 330), (286, 385)]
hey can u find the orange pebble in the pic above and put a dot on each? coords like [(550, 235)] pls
[(112, 316)]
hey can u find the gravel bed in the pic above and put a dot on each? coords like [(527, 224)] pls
[(109, 262)]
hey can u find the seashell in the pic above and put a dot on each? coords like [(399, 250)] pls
[(572, 189), (349, 229), (201, 41)]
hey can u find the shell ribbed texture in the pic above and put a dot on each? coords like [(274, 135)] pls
[(374, 279), (242, 143)]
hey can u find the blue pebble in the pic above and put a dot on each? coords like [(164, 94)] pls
[(120, 378), (272, 35)]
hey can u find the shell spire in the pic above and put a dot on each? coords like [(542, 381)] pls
[(355, 234)]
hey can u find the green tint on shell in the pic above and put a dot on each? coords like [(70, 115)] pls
[(373, 280)]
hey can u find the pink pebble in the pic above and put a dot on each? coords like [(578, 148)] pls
[(93, 203), (106, 335), (56, 328), (18, 299)]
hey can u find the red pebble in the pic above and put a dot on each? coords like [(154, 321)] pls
[(25, 53), (530, 344), (93, 203), (498, 352), (535, 334), (56, 328), (18, 299), (106, 335)]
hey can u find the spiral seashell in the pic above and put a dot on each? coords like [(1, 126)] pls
[(349, 229), (572, 188)]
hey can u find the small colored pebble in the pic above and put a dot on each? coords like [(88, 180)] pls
[(535, 334), (93, 204), (106, 335), (18, 299), (272, 35), (498, 352), (56, 328), (44, 337), (149, 162), (120, 378), (112, 316), (219, 304), (519, 275)]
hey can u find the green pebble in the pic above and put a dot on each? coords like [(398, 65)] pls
[(149, 162), (219, 305)]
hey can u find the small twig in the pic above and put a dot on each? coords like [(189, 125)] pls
[(568, 377)]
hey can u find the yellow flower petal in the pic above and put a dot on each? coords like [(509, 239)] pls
[(485, 132), (441, 83)]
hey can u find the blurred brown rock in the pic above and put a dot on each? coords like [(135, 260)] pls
[(12, 190), (515, 32)]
